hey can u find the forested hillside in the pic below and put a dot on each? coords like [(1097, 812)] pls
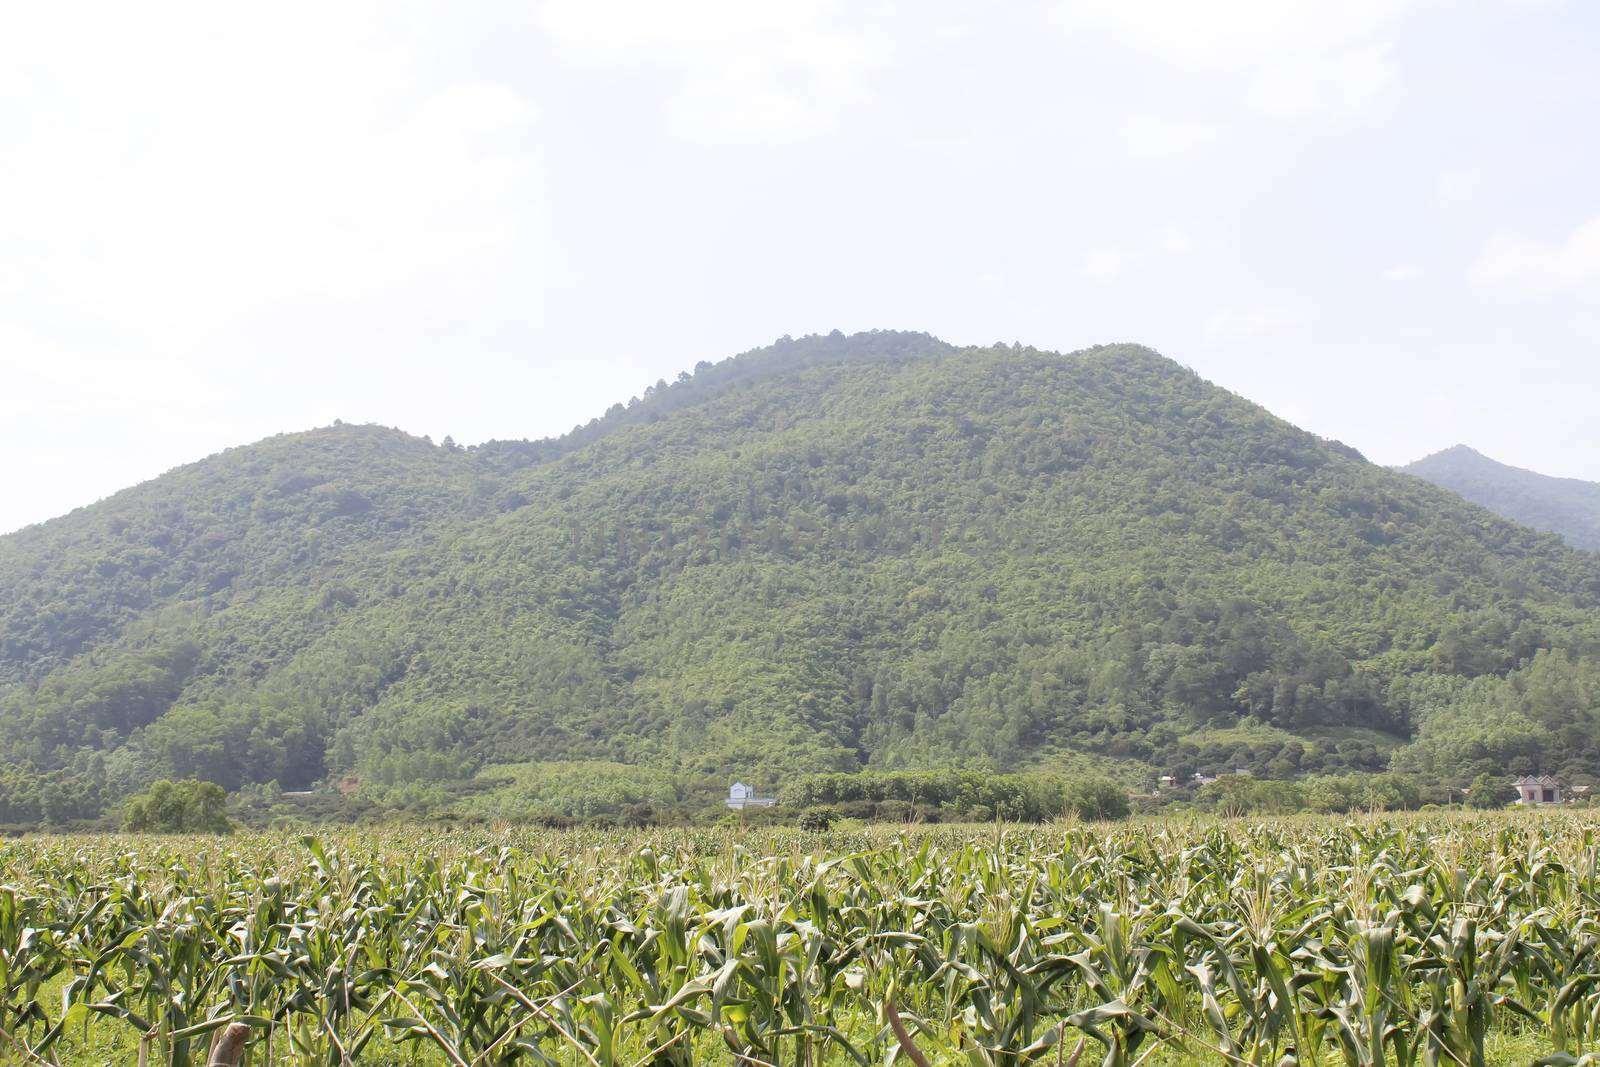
[(832, 554), (1567, 506)]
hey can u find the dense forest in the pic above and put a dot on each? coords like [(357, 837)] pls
[(826, 556), (1567, 506)]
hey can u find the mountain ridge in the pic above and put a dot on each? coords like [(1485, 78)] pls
[(926, 556), (1569, 507)]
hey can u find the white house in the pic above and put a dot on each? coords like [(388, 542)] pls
[(741, 796), (1541, 790)]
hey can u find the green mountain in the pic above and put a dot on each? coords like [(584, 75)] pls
[(1567, 506), (834, 553)]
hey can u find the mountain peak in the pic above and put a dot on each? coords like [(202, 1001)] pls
[(1461, 450), (1566, 506)]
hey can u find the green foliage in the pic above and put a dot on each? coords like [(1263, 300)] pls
[(955, 795), (1237, 794), (819, 819), (1488, 792), (1361, 792), (835, 554), (588, 791), (59, 799), (1543, 717), (187, 807)]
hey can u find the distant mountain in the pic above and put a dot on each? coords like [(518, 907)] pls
[(1566, 506), (832, 553)]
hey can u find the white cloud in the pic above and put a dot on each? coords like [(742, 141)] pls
[(1223, 33), (1587, 325), (1252, 321), (1153, 249), (1175, 239), (214, 219), (1528, 268), (1150, 137), (1150, 250), (769, 72), (1293, 57), (1457, 186), (1107, 263), (1403, 273), (205, 173), (1340, 86)]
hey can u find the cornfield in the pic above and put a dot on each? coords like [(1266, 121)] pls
[(1364, 942)]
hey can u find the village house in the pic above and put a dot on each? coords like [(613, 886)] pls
[(1542, 789), (741, 796)]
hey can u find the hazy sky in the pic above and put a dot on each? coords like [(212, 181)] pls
[(1379, 218)]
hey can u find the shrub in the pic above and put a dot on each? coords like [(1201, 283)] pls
[(187, 807), (818, 820)]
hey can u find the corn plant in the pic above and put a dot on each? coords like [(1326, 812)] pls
[(1407, 940)]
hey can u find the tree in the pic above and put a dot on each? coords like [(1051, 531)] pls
[(1488, 791), (818, 819), (186, 807)]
